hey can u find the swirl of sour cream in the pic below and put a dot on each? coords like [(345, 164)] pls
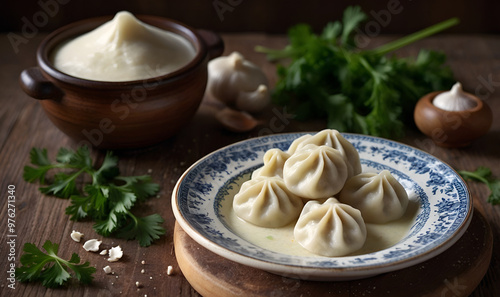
[(123, 49)]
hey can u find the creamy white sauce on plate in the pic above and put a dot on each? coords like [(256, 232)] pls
[(281, 240)]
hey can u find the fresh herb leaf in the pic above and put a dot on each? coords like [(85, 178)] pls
[(50, 269), (121, 199), (108, 199), (108, 225), (80, 207), (141, 186), (39, 158), (144, 229), (109, 168), (64, 185), (64, 155), (356, 90), (353, 16), (331, 31), (484, 175)]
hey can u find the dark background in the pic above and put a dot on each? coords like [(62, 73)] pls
[(267, 16)]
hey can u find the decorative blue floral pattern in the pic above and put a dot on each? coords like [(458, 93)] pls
[(445, 205)]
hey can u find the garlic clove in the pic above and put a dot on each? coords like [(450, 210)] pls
[(237, 60), (232, 74), (235, 120), (253, 101), (454, 100)]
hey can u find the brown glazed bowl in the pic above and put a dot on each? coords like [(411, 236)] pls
[(452, 128), (116, 115)]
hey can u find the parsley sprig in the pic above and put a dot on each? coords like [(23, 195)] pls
[(49, 268), (483, 174), (355, 89), (107, 199)]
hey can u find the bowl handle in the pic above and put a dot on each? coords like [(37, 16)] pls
[(214, 43), (37, 86)]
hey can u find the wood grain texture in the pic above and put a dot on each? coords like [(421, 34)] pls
[(23, 125), (456, 271)]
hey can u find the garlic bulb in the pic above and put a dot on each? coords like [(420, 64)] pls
[(237, 82), (454, 100)]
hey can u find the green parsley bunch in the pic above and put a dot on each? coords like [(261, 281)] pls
[(356, 90), (107, 199)]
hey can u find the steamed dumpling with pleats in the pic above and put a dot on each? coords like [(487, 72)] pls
[(266, 202), (274, 160), (331, 229), (315, 172), (379, 197), (334, 139)]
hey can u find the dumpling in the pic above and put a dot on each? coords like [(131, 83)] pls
[(334, 139), (274, 160), (379, 197), (330, 229), (315, 172), (266, 202)]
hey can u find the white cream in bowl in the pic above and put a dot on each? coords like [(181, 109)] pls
[(123, 49)]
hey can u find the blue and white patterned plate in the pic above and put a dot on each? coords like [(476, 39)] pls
[(444, 215)]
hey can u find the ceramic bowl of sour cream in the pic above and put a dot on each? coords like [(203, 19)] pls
[(124, 81)]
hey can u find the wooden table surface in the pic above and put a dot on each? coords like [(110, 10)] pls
[(475, 61)]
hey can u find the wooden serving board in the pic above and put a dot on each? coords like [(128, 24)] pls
[(455, 272)]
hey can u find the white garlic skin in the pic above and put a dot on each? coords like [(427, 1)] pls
[(454, 100), (170, 270), (115, 253), (253, 101), (92, 245), (231, 75), (107, 269), (76, 236)]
